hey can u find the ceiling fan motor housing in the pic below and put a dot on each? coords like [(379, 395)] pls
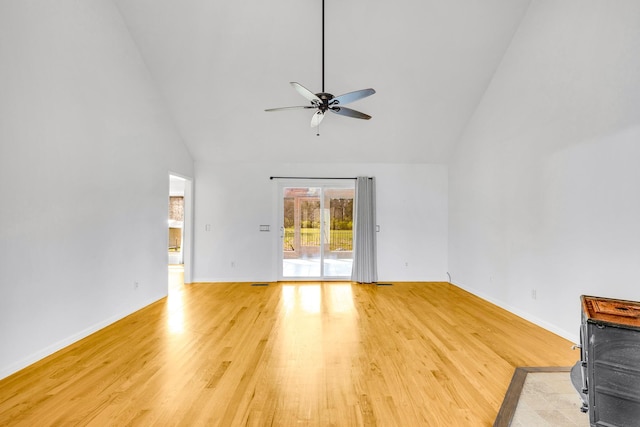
[(326, 99)]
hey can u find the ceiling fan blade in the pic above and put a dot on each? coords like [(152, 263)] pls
[(344, 111), (352, 96), (290, 108), (317, 118), (306, 93)]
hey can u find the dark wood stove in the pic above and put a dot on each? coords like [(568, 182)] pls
[(607, 376)]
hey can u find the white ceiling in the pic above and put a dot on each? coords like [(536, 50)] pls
[(219, 64)]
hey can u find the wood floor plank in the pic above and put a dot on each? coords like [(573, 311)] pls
[(313, 354)]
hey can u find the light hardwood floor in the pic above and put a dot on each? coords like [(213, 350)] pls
[(316, 354)]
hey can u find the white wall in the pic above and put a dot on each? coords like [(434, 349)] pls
[(85, 152), (542, 192), (236, 198), (544, 185)]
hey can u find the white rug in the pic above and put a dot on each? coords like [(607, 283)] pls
[(542, 397)]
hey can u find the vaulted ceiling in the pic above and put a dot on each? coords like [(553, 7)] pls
[(219, 64)]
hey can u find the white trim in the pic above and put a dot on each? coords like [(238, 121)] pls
[(573, 337), (72, 339)]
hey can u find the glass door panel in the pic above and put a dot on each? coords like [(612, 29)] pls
[(301, 238), (338, 232)]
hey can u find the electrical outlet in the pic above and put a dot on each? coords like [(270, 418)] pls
[(136, 285), (233, 264), (534, 294)]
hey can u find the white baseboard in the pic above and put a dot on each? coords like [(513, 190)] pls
[(50, 349), (573, 337), (227, 280)]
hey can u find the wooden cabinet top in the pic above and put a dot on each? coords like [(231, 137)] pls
[(613, 312)]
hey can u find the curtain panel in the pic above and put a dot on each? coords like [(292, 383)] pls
[(365, 269)]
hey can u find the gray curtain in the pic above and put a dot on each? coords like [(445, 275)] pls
[(365, 269)]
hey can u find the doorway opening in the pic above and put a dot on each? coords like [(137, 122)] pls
[(316, 239), (179, 228), (176, 220)]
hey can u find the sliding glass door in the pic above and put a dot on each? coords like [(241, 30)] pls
[(316, 230)]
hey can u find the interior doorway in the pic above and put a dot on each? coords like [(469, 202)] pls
[(179, 234), (176, 220), (316, 230)]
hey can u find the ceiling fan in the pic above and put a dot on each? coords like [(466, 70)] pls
[(323, 101)]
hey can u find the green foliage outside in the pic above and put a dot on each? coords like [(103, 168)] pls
[(341, 223)]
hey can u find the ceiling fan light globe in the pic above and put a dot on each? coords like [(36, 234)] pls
[(317, 118)]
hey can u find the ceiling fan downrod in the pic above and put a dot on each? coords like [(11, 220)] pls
[(323, 46)]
